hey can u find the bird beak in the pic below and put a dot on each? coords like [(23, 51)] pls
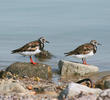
[(47, 41), (99, 44)]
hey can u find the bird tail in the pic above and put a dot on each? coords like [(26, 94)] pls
[(66, 54), (15, 51)]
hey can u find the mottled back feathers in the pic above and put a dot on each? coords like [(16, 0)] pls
[(31, 46), (83, 49)]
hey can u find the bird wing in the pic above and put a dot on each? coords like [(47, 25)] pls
[(31, 46), (83, 49)]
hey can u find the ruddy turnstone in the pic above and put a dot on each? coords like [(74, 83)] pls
[(32, 48), (87, 82), (84, 51)]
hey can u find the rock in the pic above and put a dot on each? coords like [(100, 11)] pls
[(30, 70), (74, 90), (107, 84), (13, 96), (10, 85), (27, 89), (104, 95), (4, 74), (88, 97), (104, 82), (39, 90), (70, 69), (44, 55), (99, 75)]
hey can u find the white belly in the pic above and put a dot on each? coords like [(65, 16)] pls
[(84, 55), (30, 53)]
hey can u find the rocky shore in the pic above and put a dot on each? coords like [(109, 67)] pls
[(24, 81), (40, 89)]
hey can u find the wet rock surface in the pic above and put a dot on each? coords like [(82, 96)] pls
[(74, 90), (30, 70), (71, 69), (44, 55)]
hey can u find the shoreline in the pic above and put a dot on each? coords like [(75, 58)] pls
[(38, 88)]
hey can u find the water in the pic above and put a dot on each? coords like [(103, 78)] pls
[(65, 23)]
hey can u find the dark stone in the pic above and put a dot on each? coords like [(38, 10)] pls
[(44, 55), (107, 84), (4, 74), (104, 82), (27, 69), (1, 73), (39, 90)]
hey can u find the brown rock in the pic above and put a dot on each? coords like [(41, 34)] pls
[(30, 87), (104, 82), (26, 69)]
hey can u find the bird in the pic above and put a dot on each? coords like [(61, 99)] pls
[(31, 48), (87, 82), (84, 51)]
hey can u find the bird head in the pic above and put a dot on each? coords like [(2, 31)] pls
[(43, 40), (94, 42)]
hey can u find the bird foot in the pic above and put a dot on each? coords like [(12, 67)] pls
[(85, 63), (34, 63)]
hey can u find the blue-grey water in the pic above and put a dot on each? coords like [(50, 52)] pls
[(65, 23)]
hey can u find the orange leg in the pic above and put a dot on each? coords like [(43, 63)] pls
[(84, 61), (32, 61)]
